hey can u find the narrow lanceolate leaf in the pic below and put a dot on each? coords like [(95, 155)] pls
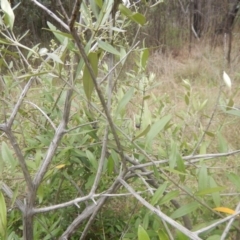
[(143, 133), (125, 100), (224, 210), (173, 155), (87, 79), (7, 155), (235, 179), (162, 235), (203, 178), (54, 57), (169, 196), (3, 216), (184, 210), (158, 194), (138, 18), (156, 128), (108, 47), (9, 15), (61, 36), (209, 191), (142, 234), (144, 57), (215, 195)]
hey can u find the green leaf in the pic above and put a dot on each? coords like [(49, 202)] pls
[(169, 196), (94, 8), (158, 193), (210, 134), (40, 193), (9, 15), (60, 36), (142, 234), (222, 143), (144, 58), (7, 156), (134, 16), (143, 133), (184, 210), (104, 14), (124, 101), (173, 155), (99, 3), (181, 236), (186, 98), (230, 104), (15, 194), (203, 178), (54, 57), (87, 79), (233, 112), (208, 191), (162, 235), (214, 237), (110, 165), (156, 128), (146, 221), (92, 159), (235, 179), (138, 18), (215, 195), (3, 216), (108, 47), (181, 166), (124, 10)]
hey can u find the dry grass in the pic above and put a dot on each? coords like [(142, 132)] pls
[(203, 68)]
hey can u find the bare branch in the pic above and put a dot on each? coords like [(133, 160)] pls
[(19, 102), (74, 14), (21, 159), (229, 225), (43, 113), (215, 224), (56, 139), (50, 13), (159, 213), (101, 162), (63, 10)]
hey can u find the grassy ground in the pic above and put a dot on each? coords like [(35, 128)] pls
[(203, 67)]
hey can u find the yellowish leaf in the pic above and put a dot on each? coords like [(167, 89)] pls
[(224, 210), (60, 166)]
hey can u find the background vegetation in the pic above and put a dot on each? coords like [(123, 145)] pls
[(116, 122)]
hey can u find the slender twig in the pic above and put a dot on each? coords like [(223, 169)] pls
[(159, 213), (188, 159), (20, 158), (51, 14), (43, 113), (210, 121), (74, 14), (56, 139), (227, 228), (217, 223), (63, 9), (19, 102)]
